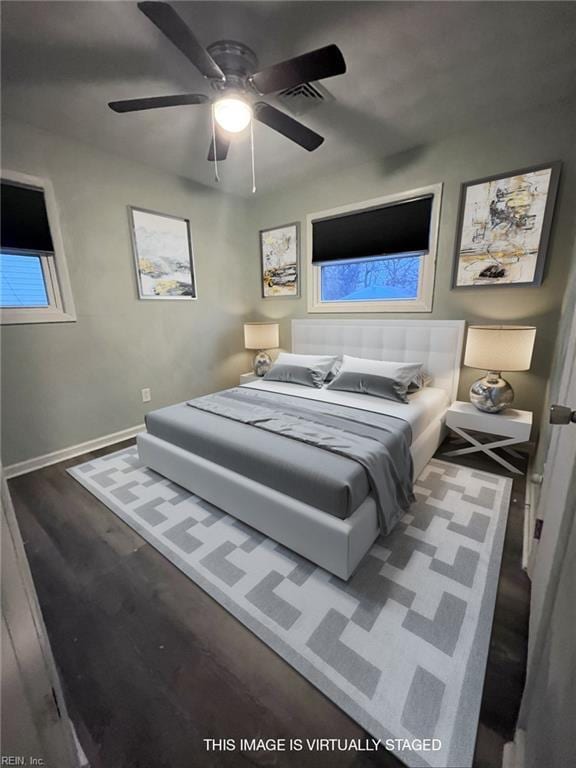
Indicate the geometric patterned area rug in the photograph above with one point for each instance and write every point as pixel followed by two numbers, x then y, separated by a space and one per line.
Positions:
pixel 401 647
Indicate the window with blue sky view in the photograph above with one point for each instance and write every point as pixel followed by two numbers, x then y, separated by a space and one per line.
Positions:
pixel 22 281
pixel 395 277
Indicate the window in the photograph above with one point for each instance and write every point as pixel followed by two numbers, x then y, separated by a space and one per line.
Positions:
pixel 34 285
pixel 379 279
pixel 22 281
pixel 377 256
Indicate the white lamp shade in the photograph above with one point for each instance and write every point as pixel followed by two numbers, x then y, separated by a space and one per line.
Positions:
pixel 499 347
pixel 261 336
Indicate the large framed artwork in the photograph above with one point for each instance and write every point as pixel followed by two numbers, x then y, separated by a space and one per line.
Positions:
pixel 503 228
pixel 163 255
pixel 280 261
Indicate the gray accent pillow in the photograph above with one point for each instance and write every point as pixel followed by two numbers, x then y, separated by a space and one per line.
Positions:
pixel 333 372
pixel 370 384
pixel 323 363
pixel 296 374
pixel 422 380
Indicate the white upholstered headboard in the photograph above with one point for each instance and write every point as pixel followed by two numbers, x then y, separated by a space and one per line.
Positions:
pixel 435 343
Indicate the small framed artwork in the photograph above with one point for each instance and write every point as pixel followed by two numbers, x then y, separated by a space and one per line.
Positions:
pixel 280 261
pixel 163 256
pixel 503 228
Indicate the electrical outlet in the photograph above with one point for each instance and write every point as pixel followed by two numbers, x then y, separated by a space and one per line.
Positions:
pixel 146 395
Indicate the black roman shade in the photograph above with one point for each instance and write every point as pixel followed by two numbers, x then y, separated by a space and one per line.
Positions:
pixel 392 229
pixel 24 221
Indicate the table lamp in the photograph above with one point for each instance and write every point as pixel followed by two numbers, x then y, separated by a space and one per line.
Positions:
pixel 497 348
pixel 261 336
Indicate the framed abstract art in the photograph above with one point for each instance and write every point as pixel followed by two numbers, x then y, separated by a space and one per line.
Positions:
pixel 162 255
pixel 280 261
pixel 503 228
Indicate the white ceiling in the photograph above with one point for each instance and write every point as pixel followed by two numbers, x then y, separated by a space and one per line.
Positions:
pixel 416 72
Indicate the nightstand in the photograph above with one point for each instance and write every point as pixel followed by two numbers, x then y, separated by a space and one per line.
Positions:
pixel 511 427
pixel 246 377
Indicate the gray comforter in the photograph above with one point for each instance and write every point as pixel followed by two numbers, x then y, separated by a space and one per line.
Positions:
pixel 380 443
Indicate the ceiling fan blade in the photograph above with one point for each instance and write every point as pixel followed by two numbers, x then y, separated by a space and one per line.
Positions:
pixel 287 126
pixel 316 65
pixel 156 102
pixel 170 24
pixel 222 147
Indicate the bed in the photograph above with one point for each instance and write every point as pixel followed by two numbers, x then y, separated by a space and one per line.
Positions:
pixel 316 503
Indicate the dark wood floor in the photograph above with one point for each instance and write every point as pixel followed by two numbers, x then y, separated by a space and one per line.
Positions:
pixel 152 666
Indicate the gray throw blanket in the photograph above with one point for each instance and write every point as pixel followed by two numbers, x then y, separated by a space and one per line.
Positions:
pixel 380 443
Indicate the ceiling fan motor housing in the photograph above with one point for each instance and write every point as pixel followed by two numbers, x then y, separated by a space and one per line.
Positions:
pixel 236 60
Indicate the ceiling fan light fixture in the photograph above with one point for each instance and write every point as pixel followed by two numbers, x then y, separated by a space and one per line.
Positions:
pixel 232 69
pixel 232 114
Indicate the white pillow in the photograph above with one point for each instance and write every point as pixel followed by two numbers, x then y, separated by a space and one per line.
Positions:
pixel 404 373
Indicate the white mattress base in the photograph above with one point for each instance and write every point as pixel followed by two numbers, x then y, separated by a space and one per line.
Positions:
pixel 334 544
pixel 426 444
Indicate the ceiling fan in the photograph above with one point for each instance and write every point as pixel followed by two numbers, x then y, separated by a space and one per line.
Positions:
pixel 232 70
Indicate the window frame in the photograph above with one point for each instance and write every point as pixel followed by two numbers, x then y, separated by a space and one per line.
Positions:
pixel 54 268
pixel 423 301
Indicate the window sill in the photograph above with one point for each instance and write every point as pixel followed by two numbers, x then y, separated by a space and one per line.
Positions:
pixel 344 307
pixel 29 316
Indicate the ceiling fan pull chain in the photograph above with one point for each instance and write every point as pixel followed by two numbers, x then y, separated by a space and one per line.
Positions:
pixel 216 176
pixel 252 155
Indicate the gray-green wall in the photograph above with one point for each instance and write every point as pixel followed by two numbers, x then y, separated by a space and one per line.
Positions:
pixel 532 138
pixel 66 383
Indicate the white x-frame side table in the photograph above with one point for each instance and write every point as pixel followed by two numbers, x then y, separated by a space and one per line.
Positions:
pixel 511 427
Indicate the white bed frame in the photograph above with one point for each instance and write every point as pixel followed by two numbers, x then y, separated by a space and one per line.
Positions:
pixel 336 545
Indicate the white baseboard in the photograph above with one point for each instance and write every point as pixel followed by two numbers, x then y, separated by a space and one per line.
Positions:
pixel 82 759
pixel 30 465
pixel 514 751
pixel 529 543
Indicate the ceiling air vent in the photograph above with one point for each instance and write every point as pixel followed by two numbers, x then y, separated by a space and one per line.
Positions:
pixel 304 98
